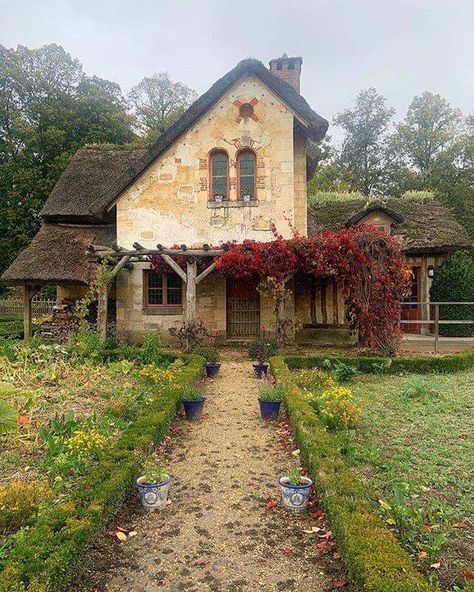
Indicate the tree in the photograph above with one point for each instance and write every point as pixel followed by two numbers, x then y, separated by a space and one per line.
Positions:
pixel 48 109
pixel 158 102
pixel 365 153
pixel 430 126
pixel 454 282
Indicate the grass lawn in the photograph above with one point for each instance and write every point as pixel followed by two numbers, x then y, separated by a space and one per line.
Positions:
pixel 414 448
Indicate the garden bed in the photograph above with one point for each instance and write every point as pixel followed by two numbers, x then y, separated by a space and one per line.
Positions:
pixel 411 451
pixel 85 424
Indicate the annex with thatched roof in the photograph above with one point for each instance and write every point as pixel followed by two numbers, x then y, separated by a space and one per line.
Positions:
pixel 423 226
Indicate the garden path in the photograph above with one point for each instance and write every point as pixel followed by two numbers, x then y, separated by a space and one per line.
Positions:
pixel 218 533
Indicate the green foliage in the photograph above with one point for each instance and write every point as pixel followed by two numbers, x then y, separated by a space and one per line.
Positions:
pixel 48 109
pixel 454 282
pixel 87 344
pixel 373 558
pixel 209 353
pixel 152 346
pixel 375 365
pixel 262 350
pixel 312 379
pixel 12 329
pixel 44 558
pixel 192 394
pixel 294 477
pixel 20 502
pixel 153 473
pixel 270 393
pixel 420 388
pixel 342 372
pixel 8 418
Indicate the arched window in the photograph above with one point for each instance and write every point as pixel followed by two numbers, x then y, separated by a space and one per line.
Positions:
pixel 246 171
pixel 219 176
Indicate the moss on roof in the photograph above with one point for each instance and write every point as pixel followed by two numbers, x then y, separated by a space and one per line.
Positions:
pixel 425 226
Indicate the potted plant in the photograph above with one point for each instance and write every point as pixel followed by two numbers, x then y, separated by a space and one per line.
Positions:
pixel 153 487
pixel 193 403
pixel 211 355
pixel 261 350
pixel 270 401
pixel 295 490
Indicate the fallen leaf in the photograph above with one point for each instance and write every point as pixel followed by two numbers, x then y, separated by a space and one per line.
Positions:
pixel 296 452
pixel 271 505
pixel 23 420
pixel 287 551
pixel 460 525
pixel 132 533
pixel 323 545
pixel 422 555
pixel 201 563
pixel 338 584
pixel 336 556
pixel 121 529
pixel 121 536
pixel 468 575
pixel 168 502
pixel 435 565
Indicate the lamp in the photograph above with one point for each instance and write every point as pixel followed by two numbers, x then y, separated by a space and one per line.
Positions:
pixel 430 271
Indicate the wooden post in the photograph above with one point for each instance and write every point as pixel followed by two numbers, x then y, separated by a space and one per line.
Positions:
pixel 27 324
pixel 191 274
pixel 102 310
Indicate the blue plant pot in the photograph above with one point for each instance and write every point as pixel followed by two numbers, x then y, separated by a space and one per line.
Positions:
pixel 295 497
pixel 269 409
pixel 194 409
pixel 260 370
pixel 153 495
pixel 212 370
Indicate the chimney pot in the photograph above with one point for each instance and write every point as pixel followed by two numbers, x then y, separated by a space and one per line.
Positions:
pixel 288 69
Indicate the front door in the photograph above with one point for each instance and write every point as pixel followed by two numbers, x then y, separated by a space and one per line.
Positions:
pixel 243 309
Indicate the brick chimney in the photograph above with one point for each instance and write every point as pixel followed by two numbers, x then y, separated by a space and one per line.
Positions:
pixel 288 69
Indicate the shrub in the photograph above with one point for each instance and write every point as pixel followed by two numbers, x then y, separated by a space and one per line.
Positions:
pixel 20 502
pixel 209 353
pixel 454 282
pixel 192 394
pixel 342 372
pixel 152 374
pixel 270 393
pixel 152 348
pixel 87 344
pixel 312 380
pixel 153 473
pixel 262 350
pixel 12 329
pixel 373 558
pixel 86 444
pixel 339 414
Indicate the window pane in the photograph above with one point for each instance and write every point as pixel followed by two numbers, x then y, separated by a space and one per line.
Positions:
pixel 174 292
pixel 155 288
pixel 219 168
pixel 247 174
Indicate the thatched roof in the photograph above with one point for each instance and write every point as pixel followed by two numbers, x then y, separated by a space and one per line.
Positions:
pixel 96 177
pixel 57 256
pixel 422 226
pixel 84 189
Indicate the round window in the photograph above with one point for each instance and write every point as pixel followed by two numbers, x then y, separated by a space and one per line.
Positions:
pixel 246 110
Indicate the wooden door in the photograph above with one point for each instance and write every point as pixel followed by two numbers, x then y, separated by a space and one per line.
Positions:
pixel 243 309
pixel 412 312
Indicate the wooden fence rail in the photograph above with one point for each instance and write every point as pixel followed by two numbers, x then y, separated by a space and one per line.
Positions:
pixel 12 309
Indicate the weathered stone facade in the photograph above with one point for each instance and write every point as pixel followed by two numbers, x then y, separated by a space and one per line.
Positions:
pixel 170 203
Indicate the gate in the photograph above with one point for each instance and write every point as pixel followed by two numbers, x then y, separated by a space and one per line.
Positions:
pixel 243 309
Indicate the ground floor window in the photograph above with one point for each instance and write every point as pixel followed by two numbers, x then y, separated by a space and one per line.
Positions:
pixel 162 289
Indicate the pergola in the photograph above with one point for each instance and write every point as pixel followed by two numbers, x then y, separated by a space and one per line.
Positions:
pixel 126 257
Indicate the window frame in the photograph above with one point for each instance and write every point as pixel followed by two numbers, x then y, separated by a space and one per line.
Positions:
pixel 164 305
pixel 213 153
pixel 239 157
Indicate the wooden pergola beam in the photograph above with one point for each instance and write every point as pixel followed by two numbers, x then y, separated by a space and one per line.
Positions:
pixel 175 267
pixel 103 297
pixel 100 251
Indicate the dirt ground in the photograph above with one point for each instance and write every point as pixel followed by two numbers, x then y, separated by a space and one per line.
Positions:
pixel 225 529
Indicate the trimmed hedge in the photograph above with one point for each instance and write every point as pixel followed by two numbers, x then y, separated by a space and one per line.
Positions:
pixel 417 364
pixel 44 557
pixel 373 557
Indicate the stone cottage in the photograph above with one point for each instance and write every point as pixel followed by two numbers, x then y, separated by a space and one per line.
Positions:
pixel 233 167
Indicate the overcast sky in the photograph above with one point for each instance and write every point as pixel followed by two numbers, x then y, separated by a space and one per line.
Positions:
pixel 402 47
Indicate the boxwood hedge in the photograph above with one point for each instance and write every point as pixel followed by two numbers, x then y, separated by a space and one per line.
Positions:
pixel 44 557
pixel 374 559
pixel 370 364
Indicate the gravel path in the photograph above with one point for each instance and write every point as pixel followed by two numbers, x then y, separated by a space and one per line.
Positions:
pixel 222 531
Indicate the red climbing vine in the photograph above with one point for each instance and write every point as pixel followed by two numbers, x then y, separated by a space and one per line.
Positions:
pixel 367 262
